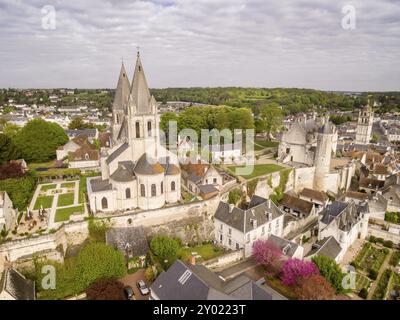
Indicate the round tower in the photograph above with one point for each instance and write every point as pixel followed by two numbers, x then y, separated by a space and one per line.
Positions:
pixel 323 156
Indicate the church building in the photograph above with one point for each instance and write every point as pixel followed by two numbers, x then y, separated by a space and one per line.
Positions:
pixel 136 172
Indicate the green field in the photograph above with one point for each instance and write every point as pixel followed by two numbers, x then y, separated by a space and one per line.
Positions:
pixel 65 213
pixel 45 187
pixel 68 185
pixel 258 170
pixel 45 201
pixel 65 199
pixel 207 252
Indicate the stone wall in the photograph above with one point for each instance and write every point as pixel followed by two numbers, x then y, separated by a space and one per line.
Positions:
pixel 266 184
pixel 384 234
pixel 225 259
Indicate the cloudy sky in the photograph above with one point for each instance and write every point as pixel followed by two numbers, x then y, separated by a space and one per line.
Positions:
pixel 184 43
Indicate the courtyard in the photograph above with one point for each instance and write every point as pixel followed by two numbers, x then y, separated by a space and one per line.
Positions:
pixel 57 201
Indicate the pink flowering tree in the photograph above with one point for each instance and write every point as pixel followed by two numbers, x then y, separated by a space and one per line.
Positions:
pixel 294 270
pixel 268 254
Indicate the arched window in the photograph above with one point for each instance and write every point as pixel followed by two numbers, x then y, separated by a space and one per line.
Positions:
pixel 104 203
pixel 162 187
pixel 153 190
pixel 142 190
pixel 128 193
pixel 137 128
pixel 173 186
pixel 149 128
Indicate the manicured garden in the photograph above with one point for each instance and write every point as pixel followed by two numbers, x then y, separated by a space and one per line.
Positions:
pixel 257 170
pixel 362 282
pixel 44 202
pixel 370 259
pixel 63 214
pixel 393 217
pixel 46 187
pixel 65 199
pixel 206 251
pixel 68 185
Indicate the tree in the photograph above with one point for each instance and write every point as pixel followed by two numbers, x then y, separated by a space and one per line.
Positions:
pixel 164 247
pixel 77 123
pixel 38 140
pixel 330 270
pixel 11 129
pixel 149 274
pixel 106 289
pixel 164 122
pixel 235 196
pixel 314 287
pixel 295 269
pixel 270 119
pixel 8 150
pixel 268 254
pixel 96 261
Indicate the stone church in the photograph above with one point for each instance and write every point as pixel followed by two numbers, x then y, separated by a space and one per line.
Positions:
pixel 136 172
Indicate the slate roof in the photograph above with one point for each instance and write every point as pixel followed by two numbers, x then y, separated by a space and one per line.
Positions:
pixel 100 185
pixel 88 132
pixel 345 213
pixel 122 91
pixel 117 152
pixel 16 285
pixel 296 204
pixel 288 247
pixel 314 194
pixel 241 220
pixel 207 188
pixel 372 183
pixel 328 247
pixel 356 195
pixel 143 166
pixel 196 282
pixel 124 172
pixel 131 241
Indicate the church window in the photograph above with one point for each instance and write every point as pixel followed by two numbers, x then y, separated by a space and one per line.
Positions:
pixel 128 193
pixel 142 190
pixel 149 128
pixel 104 203
pixel 153 190
pixel 137 127
pixel 162 187
pixel 173 186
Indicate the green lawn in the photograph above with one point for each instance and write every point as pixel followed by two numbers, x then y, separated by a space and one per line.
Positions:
pixel 68 185
pixel 258 170
pixel 45 187
pixel 65 199
pixel 206 251
pixel 45 201
pixel 64 214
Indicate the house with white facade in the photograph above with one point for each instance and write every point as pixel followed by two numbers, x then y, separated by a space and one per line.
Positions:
pixel 225 153
pixel 8 216
pixel 237 228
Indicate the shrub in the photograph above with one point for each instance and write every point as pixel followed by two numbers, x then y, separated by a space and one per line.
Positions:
pixel 330 270
pixel 388 244
pixel 373 274
pixel 267 254
pixel 363 293
pixel 97 230
pixel 165 248
pixel 19 190
pixel 149 274
pixel 395 258
pixel 380 240
pixel 372 239
pixel 314 287
pixel 385 251
pixel 106 289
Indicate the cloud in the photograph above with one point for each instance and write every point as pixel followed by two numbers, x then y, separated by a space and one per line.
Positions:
pixel 293 43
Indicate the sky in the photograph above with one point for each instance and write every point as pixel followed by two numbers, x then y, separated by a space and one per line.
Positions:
pixel 319 44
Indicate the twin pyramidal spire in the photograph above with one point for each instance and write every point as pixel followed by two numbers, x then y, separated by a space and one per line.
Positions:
pixel 135 95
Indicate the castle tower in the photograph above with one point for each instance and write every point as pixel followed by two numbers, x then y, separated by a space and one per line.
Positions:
pixel 364 125
pixel 143 123
pixel 119 104
pixel 323 155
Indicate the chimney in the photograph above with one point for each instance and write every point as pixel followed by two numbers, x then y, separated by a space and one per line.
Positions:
pixel 231 206
pixel 193 260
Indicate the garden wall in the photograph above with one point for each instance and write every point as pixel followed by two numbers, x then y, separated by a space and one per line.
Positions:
pixel 225 259
pixel 384 234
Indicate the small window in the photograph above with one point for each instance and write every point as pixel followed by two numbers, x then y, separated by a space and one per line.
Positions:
pixel 153 190
pixel 230 231
pixel 263 230
pixel 149 128
pixel 162 187
pixel 104 203
pixel 173 186
pixel 127 193
pixel 137 127
pixel 230 242
pixel 237 246
pixel 215 180
pixel 221 227
pixel 142 190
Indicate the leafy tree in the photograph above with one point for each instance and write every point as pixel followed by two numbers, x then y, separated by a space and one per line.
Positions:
pixel 106 289
pixel 164 122
pixel 295 269
pixel 39 140
pixel 235 196
pixel 11 129
pixel 314 287
pixel 268 254
pixel 164 247
pixel 77 123
pixel 331 271
pixel 20 190
pixel 96 261
pixel 8 150
pixel 270 119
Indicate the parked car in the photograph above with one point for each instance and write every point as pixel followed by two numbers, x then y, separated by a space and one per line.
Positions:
pixel 142 287
pixel 128 291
